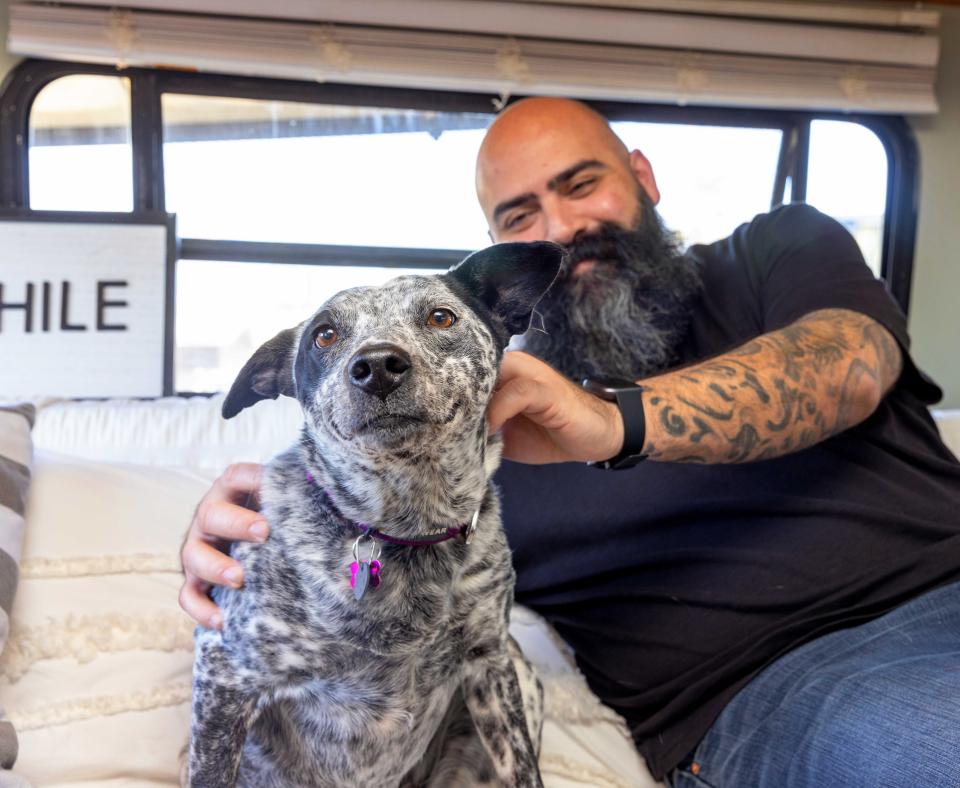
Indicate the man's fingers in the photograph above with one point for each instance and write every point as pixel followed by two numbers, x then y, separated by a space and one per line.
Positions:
pixel 208 564
pixel 548 418
pixel 223 520
pixel 519 395
pixel 240 482
pixel 221 516
pixel 198 605
pixel 517 363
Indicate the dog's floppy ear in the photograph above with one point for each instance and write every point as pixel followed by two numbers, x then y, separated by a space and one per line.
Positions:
pixel 267 374
pixel 509 279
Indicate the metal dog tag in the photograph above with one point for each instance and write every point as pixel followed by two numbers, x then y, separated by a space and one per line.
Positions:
pixel 360 576
pixel 364 573
pixel 472 528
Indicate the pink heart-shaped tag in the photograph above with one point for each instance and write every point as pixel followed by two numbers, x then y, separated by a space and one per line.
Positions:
pixel 354 568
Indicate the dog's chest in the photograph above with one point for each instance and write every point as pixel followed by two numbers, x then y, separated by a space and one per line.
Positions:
pixel 368 727
pixel 361 685
pixel 358 687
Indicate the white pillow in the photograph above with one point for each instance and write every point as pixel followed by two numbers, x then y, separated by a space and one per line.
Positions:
pixel 16 455
pixel 97 670
pixel 172 431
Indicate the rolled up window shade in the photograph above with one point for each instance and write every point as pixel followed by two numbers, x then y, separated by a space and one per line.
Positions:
pixel 625 54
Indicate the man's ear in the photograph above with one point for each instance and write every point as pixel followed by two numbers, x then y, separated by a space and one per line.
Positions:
pixel 508 279
pixel 643 172
pixel 267 374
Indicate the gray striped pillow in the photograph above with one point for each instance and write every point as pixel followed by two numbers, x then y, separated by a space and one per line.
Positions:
pixel 16 454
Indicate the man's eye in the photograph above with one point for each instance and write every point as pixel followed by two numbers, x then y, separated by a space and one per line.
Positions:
pixel 441 318
pixel 582 186
pixel 516 220
pixel 326 336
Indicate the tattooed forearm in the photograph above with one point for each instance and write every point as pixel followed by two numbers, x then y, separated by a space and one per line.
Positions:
pixel 779 393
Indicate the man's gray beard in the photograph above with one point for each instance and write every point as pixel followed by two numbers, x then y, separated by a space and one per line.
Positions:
pixel 628 316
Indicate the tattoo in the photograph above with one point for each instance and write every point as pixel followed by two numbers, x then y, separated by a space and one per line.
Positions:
pixel 707 410
pixel 750 349
pixel 702 429
pixel 887 349
pixel 724 370
pixel 720 393
pixel 750 380
pixel 788 399
pixel 857 372
pixel 672 423
pixel 781 392
pixel 744 444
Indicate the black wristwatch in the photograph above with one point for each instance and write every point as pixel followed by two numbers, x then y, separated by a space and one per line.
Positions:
pixel 629 398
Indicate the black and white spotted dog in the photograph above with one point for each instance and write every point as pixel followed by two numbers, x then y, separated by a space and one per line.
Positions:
pixel 368 645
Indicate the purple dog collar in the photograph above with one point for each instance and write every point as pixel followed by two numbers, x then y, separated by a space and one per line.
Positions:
pixel 435 537
pixel 367 572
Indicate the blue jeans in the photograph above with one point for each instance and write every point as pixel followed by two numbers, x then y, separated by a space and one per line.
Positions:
pixel 877 705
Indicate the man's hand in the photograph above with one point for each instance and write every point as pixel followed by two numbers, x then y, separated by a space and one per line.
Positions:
pixel 546 418
pixel 218 520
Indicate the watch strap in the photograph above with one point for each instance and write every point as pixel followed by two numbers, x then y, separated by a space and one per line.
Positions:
pixel 629 400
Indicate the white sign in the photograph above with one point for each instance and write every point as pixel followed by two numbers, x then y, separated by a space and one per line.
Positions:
pixel 82 308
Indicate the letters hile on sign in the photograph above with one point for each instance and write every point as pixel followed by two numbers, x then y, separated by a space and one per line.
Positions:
pixel 40 307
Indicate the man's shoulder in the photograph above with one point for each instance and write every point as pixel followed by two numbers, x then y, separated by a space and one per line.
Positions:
pixel 767 237
pixel 796 221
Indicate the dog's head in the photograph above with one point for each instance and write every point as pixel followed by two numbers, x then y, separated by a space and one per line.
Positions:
pixel 391 369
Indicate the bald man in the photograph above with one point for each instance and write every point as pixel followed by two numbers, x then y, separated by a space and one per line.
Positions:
pixel 770 599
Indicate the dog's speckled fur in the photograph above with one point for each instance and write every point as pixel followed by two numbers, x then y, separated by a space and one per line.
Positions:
pixel 415 683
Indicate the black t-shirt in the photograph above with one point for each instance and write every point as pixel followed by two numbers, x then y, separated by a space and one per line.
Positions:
pixel 676 583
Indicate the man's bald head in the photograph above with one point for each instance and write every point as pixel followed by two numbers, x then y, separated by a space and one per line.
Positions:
pixel 534 119
pixel 535 147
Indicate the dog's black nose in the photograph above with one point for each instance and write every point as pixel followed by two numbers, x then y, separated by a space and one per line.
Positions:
pixel 379 369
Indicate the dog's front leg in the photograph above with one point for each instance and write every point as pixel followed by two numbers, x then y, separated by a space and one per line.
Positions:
pixel 223 709
pixel 492 694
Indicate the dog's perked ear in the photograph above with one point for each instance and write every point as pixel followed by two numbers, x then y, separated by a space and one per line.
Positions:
pixel 267 374
pixel 509 279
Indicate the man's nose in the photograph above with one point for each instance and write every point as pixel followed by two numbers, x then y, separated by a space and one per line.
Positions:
pixel 562 223
pixel 379 369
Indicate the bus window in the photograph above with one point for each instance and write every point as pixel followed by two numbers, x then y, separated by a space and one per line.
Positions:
pixel 81 158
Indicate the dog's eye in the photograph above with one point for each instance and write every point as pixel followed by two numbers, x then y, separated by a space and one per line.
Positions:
pixel 326 336
pixel 441 318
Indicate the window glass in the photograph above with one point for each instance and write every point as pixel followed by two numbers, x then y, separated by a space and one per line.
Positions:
pixel 847 179
pixel 711 178
pixel 287 172
pixel 219 328
pixel 81 157
pixel 311 173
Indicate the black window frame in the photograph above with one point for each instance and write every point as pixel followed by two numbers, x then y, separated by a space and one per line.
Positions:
pixel 25 81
